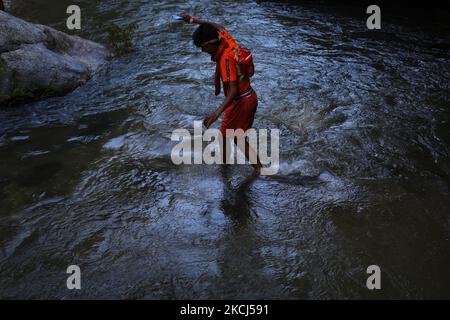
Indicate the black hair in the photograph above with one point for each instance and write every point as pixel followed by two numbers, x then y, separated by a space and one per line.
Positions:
pixel 203 33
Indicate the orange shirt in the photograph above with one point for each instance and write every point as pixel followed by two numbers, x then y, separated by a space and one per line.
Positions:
pixel 228 66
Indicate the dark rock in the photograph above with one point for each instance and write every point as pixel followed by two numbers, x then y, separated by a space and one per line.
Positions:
pixel 37 61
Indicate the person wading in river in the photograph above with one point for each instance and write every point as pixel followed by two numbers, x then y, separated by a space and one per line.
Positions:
pixel 234 66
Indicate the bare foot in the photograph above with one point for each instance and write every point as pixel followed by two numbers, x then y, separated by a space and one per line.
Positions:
pixel 258 169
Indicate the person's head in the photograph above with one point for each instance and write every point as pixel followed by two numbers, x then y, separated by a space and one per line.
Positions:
pixel 206 37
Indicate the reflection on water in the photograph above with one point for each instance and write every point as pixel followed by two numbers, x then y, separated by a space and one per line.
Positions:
pixel 87 178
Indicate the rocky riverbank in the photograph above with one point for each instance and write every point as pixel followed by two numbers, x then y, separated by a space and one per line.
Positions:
pixel 37 61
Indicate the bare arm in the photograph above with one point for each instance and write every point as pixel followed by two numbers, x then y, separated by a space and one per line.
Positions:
pixel 232 93
pixel 191 19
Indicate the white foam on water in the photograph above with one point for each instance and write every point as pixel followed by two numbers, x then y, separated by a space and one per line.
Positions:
pixel 115 143
pixel 287 168
pixel 19 138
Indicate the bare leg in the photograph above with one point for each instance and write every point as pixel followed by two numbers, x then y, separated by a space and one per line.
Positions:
pixel 250 154
pixel 226 150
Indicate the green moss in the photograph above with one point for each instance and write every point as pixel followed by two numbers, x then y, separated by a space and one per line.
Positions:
pixel 14 82
pixel 2 66
pixel 119 40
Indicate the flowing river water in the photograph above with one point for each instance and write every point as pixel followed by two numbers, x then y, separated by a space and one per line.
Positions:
pixel 87 178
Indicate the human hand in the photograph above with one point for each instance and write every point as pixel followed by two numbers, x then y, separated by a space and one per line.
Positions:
pixel 187 18
pixel 210 119
pixel 207 121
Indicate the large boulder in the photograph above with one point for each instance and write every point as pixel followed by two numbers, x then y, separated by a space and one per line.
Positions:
pixel 37 61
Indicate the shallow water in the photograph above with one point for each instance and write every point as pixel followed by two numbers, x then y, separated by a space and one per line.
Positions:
pixel 87 178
